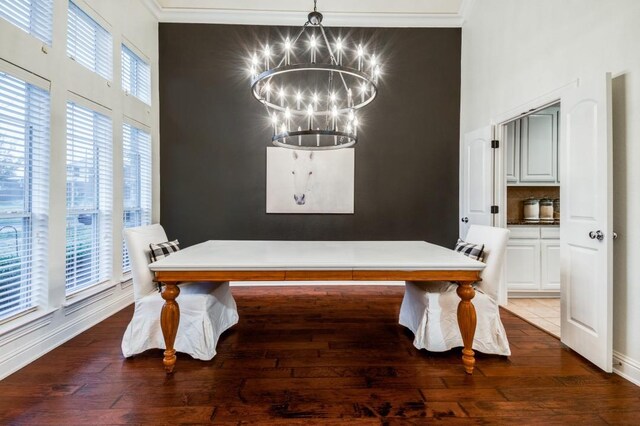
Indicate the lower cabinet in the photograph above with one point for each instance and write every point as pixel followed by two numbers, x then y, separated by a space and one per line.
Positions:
pixel 550 265
pixel 533 260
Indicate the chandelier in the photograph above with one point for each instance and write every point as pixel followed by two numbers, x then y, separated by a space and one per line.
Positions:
pixel 313 87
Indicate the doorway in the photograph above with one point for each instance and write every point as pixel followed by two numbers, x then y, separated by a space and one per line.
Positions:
pixel 532 201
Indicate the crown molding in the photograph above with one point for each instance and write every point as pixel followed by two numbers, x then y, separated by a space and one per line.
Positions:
pixel 335 19
pixel 154 7
pixel 466 7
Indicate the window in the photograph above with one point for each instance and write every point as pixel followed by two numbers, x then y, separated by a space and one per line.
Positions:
pixel 32 16
pixel 136 149
pixel 88 43
pixel 89 175
pixel 136 76
pixel 24 175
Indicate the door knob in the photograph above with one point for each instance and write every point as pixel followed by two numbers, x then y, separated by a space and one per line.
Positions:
pixel 465 219
pixel 596 235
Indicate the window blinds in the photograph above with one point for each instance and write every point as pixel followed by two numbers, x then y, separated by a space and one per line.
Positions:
pixel 89 197
pixel 24 193
pixel 32 16
pixel 88 43
pixel 136 76
pixel 136 149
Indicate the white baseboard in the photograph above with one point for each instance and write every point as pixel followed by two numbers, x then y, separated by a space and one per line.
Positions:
pixel 21 356
pixel 626 367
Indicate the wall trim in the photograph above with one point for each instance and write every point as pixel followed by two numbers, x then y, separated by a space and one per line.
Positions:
pixel 466 7
pixel 154 7
pixel 73 305
pixel 335 19
pixel 30 326
pixel 626 367
pixel 23 355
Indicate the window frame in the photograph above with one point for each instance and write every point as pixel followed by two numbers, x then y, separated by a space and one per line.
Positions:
pixel 32 241
pixel 101 210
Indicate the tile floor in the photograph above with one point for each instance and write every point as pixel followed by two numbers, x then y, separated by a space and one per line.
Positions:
pixel 543 313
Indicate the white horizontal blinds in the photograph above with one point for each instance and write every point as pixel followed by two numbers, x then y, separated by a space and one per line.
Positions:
pixel 136 150
pixel 88 43
pixel 89 197
pixel 32 16
pixel 24 193
pixel 136 76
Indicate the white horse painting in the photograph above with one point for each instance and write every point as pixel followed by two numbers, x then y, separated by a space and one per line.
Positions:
pixel 310 181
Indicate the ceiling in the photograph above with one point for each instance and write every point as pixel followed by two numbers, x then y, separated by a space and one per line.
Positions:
pixel 391 13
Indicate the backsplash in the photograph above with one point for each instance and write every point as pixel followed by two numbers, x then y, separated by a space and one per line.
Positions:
pixel 517 194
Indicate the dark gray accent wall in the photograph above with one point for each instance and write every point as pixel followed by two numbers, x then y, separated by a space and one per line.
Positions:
pixel 214 134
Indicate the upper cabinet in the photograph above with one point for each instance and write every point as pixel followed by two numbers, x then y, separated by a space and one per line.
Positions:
pixel 513 151
pixel 532 149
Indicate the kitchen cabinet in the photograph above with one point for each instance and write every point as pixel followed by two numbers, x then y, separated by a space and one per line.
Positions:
pixel 513 151
pixel 532 149
pixel 533 261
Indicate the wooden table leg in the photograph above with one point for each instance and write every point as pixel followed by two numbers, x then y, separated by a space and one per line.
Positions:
pixel 467 323
pixel 169 320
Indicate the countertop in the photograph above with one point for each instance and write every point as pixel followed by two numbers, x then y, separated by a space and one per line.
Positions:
pixel 523 223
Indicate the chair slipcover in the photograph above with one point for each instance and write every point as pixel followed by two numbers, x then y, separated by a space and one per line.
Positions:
pixel 429 310
pixel 206 309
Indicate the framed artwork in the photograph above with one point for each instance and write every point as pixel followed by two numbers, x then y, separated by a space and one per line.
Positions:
pixel 310 181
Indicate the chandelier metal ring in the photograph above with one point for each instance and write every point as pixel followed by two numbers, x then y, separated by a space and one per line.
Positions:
pixel 269 75
pixel 346 139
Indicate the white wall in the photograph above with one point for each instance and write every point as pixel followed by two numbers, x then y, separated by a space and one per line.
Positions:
pixel 59 318
pixel 514 51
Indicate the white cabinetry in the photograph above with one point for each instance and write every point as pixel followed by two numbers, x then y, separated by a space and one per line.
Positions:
pixel 513 151
pixel 533 261
pixel 523 265
pixel 532 149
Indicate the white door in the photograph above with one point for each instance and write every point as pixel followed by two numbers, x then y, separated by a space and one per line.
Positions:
pixel 586 221
pixel 476 178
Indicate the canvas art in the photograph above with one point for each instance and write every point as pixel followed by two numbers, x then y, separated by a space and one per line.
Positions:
pixel 310 181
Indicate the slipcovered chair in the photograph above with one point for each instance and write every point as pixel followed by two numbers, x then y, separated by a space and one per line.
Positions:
pixel 206 309
pixel 429 310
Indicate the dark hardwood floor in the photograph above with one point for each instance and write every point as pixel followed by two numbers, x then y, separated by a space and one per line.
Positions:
pixel 316 355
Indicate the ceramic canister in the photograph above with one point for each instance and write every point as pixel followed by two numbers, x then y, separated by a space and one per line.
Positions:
pixel 532 209
pixel 546 210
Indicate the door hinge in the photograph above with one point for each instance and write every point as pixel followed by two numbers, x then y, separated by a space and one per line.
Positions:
pixel 495 210
pixel 495 144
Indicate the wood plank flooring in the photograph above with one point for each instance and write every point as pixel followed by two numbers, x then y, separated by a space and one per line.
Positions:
pixel 316 355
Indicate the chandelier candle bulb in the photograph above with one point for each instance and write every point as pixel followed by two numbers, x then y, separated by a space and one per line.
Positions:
pixel 339 50
pixel 318 137
pixel 349 100
pixel 310 114
pixel 287 51
pixel 312 43
pixel 298 100
pixel 267 55
pixel 281 94
pixel 360 57
pixel 299 136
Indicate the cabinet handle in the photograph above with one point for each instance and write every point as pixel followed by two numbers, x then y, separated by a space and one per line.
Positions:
pixel 465 219
pixel 596 235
